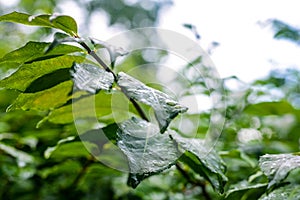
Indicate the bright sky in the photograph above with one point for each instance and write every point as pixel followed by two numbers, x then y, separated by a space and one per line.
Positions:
pixel 246 49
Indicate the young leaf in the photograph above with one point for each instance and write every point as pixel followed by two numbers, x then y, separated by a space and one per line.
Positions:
pixel 164 106
pixel 60 38
pixel 148 152
pixel 277 167
pixel 62 22
pixel 203 160
pixel 113 51
pixel 27 73
pixel 91 78
pixel 289 192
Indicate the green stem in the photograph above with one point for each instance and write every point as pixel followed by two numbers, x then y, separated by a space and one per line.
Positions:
pixel 194 182
pixel 80 174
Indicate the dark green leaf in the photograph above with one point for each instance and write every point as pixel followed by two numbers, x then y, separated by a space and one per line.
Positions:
pixel 44 100
pixel 91 78
pixel 49 80
pixel 62 22
pixel 278 166
pixel 203 160
pixel 27 73
pixel 270 108
pixel 69 166
pixel 148 151
pixel 288 192
pixel 285 31
pixel 165 107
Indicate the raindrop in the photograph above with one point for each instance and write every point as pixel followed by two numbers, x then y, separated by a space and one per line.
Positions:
pixel 31 18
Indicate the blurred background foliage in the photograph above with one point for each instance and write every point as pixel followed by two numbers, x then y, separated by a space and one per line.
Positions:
pixel 261 117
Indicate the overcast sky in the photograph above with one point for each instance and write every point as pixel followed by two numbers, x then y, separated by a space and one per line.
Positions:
pixel 246 49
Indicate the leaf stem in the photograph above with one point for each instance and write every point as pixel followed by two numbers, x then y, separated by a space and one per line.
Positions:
pixel 194 182
pixel 80 174
pixel 106 68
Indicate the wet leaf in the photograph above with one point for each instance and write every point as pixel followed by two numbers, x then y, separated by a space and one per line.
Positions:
pixel 148 151
pixel 164 106
pixel 27 73
pixel 289 192
pixel 277 167
pixel 62 22
pixel 243 190
pixel 203 160
pixel 91 78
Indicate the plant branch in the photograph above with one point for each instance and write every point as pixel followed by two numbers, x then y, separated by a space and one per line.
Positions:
pixel 80 174
pixel 106 68
pixel 194 182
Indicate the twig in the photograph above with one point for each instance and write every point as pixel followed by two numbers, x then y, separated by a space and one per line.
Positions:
pixel 192 181
pixel 106 68
pixel 80 174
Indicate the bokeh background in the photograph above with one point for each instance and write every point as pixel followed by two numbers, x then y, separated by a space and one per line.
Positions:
pixel 255 48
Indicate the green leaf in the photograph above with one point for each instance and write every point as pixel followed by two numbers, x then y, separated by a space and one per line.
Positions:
pixel 87 107
pixel 69 166
pixel 166 109
pixel 7 68
pixel 44 100
pixel 48 81
pixel 60 38
pixel 277 167
pixel 244 190
pixel 33 51
pixel 203 160
pixel 62 22
pixel 67 148
pixel 27 73
pixel 288 192
pixel 148 151
pixel 270 108
pixel 237 153
pixel 91 78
